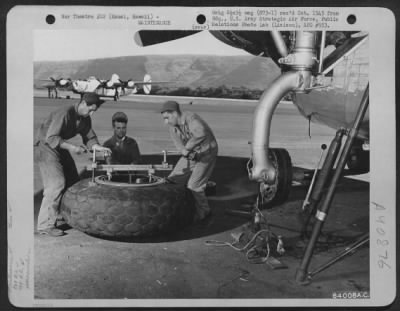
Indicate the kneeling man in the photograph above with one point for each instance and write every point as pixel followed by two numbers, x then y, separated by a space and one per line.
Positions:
pixel 195 140
pixel 124 149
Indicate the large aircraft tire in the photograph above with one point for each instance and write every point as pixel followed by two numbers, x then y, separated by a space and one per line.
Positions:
pixel 279 191
pixel 121 213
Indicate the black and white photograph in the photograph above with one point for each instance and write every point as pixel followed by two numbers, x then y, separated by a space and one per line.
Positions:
pixel 227 161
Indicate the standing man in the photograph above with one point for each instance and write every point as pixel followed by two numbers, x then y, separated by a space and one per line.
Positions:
pixel 124 149
pixel 57 168
pixel 196 142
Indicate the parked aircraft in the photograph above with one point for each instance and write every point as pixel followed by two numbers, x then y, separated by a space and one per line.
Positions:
pixel 55 85
pixel 113 87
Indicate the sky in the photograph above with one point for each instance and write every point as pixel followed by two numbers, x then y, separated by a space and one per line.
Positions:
pixel 61 45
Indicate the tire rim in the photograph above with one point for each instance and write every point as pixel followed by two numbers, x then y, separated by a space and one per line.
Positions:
pixel 140 181
pixel 268 191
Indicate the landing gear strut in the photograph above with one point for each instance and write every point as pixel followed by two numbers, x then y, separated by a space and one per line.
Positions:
pixel 302 275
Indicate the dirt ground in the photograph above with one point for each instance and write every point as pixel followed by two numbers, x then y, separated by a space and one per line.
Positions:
pixel 182 265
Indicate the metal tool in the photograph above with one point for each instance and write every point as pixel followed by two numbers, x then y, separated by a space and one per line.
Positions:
pixel 110 168
pixel 347 251
pixel 166 152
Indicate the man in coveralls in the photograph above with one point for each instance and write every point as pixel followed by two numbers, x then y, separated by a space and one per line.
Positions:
pixel 194 139
pixel 57 167
pixel 124 149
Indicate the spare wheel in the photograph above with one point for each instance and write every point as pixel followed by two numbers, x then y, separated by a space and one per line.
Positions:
pixel 121 210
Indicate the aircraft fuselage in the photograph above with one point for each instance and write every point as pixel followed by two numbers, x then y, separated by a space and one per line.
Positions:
pixel 335 104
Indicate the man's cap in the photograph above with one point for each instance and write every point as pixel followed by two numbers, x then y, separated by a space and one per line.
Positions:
pixel 120 117
pixel 92 99
pixel 170 106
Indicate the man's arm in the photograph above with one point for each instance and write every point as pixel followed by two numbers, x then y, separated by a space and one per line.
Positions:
pixel 89 138
pixel 198 131
pixel 53 138
pixel 177 139
pixel 88 135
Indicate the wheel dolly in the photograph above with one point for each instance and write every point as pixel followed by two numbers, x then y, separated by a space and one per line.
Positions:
pixel 150 169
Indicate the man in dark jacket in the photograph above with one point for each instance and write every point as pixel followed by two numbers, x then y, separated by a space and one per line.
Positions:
pixel 125 149
pixel 53 156
pixel 196 142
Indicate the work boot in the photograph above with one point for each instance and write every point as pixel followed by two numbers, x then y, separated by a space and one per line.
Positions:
pixel 201 203
pixel 62 224
pixel 52 231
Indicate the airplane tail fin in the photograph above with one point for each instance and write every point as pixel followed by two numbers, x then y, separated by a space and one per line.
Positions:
pixel 114 78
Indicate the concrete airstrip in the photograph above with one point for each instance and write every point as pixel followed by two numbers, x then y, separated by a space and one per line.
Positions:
pixel 180 265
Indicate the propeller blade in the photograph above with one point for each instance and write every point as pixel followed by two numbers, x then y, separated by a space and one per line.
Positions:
pixel 150 37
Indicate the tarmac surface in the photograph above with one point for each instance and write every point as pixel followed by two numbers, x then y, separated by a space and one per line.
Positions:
pixel 182 265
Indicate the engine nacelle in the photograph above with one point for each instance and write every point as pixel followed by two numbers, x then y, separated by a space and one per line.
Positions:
pixel 63 82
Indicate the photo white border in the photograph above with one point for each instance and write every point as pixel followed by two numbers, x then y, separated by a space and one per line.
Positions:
pixel 22 20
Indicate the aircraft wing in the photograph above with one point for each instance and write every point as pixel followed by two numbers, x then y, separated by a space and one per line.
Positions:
pixel 145 83
pixel 150 37
pixel 81 86
pixel 254 42
pixel 258 43
pixel 151 82
pixel 47 86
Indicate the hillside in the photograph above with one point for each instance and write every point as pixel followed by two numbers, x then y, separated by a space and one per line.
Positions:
pixel 258 73
pixel 184 70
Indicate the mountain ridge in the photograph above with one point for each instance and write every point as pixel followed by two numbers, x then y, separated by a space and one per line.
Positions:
pixel 184 70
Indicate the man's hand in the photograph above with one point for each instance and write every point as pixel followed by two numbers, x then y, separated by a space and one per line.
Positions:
pixel 107 151
pixel 185 152
pixel 191 155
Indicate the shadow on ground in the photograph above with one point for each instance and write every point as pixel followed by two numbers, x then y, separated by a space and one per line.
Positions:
pixel 234 190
